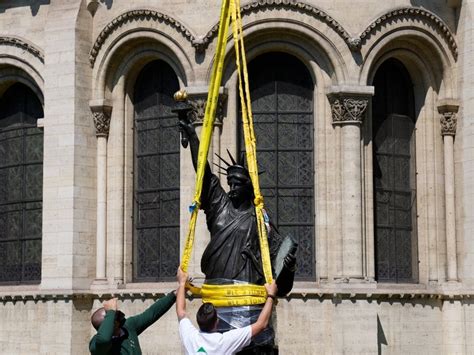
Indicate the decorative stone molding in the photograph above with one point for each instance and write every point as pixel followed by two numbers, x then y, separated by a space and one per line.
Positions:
pixel 17 42
pixel 417 15
pixel 347 108
pixel 448 119
pixel 101 114
pixel 290 5
pixel 136 16
pixel 354 43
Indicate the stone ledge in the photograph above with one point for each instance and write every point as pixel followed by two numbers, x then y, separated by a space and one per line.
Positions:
pixel 354 90
pixel 379 296
pixel 298 293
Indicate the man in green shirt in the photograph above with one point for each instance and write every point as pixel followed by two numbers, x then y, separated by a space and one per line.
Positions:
pixel 119 335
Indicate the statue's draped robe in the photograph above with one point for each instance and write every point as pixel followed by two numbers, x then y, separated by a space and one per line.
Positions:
pixel 234 250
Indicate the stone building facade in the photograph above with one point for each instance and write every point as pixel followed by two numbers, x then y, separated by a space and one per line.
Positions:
pixel 364 123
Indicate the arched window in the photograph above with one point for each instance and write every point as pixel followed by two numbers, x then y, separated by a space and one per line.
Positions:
pixel 394 174
pixel 156 174
pixel 281 91
pixel 21 186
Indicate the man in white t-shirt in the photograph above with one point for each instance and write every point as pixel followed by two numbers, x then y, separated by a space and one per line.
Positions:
pixel 207 340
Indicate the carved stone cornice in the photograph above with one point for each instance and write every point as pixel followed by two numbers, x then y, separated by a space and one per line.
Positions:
pixel 136 16
pixel 348 108
pixel 353 42
pixel 416 14
pixel 411 295
pixel 101 115
pixel 198 104
pixel 23 45
pixel 292 5
pixel 448 119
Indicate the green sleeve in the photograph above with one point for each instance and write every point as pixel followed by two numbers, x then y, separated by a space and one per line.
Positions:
pixel 153 313
pixel 102 341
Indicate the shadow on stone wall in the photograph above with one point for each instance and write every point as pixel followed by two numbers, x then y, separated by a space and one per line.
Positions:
pixel 381 339
pixel 81 325
pixel 438 7
pixel 433 6
pixel 33 4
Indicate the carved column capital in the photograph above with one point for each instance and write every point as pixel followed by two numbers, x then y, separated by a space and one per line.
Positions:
pixel 101 113
pixel 448 123
pixel 198 104
pixel 349 103
pixel 448 118
pixel 348 108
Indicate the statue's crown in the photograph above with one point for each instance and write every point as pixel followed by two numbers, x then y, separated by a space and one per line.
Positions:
pixel 238 171
pixel 235 168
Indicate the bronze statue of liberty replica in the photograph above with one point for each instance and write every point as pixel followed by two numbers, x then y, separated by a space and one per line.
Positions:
pixel 233 252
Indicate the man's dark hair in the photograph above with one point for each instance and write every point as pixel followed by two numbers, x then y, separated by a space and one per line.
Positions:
pixel 206 317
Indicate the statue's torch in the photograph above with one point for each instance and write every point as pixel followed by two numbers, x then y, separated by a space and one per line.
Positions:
pixel 182 109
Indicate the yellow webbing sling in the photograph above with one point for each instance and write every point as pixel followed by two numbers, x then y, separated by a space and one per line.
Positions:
pixel 230 295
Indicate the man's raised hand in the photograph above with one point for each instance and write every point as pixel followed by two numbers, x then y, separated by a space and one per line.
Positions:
pixel 272 289
pixel 182 277
pixel 110 305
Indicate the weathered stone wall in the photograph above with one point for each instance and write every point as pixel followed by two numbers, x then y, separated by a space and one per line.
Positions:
pixel 44 326
pixel 309 325
pixel 25 20
pixel 465 147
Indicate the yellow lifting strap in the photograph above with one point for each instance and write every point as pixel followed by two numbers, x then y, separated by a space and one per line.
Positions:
pixel 230 295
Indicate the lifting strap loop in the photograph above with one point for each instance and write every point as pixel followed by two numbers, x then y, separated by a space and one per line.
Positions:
pixel 249 135
pixel 230 295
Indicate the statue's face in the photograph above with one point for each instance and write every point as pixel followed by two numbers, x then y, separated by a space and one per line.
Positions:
pixel 239 189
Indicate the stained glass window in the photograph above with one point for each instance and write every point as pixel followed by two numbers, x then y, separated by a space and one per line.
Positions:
pixel 156 173
pixel 281 91
pixel 394 174
pixel 21 186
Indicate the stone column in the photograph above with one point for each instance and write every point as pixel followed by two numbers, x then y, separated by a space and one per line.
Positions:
pixel 348 106
pixel 101 112
pixel 448 111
